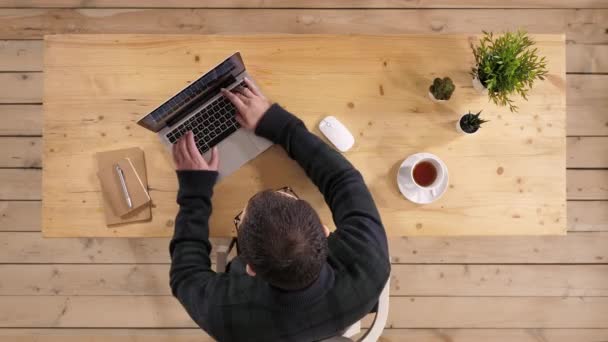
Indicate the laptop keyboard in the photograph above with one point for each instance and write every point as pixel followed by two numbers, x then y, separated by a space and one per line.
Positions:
pixel 210 125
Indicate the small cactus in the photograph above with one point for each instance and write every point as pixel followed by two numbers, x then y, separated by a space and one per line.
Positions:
pixel 470 122
pixel 442 89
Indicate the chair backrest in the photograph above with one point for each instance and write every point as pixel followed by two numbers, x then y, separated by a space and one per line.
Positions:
pixel 377 327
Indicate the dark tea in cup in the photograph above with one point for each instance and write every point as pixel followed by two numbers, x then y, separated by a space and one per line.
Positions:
pixel 424 173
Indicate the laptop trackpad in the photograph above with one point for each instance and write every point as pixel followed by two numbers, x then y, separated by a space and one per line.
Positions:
pixel 234 151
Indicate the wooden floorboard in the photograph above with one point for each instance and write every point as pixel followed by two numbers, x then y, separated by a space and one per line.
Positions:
pixel 389 335
pixel 581 26
pixel 494 335
pixel 586 102
pixel 587 152
pixel 305 4
pixel 498 312
pixel 587 216
pixel 21 152
pixel 20 120
pixel 26 55
pixel 21 55
pixel 406 312
pixel 406 280
pixel 587 184
pixel 587 58
pixel 501 250
pixel 31 247
pixel 20 184
pixel 20 215
pixel 21 87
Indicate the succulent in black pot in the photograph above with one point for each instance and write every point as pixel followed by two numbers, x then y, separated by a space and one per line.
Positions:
pixel 469 123
pixel 441 90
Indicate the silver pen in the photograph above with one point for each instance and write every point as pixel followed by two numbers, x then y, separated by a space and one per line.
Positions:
pixel 123 184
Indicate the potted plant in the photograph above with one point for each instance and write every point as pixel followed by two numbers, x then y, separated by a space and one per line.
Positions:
pixel 469 123
pixel 441 90
pixel 506 65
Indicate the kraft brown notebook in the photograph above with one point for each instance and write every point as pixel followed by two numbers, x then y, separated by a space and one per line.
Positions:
pixel 133 166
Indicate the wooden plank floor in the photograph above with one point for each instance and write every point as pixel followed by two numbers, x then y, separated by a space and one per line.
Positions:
pixel 551 289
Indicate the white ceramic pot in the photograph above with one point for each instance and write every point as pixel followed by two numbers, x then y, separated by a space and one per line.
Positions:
pixel 432 97
pixel 479 87
pixel 460 130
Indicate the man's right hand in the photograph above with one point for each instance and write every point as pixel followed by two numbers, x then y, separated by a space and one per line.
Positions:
pixel 250 104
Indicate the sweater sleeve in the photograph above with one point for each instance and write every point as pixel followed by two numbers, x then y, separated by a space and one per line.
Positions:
pixel 342 186
pixel 191 278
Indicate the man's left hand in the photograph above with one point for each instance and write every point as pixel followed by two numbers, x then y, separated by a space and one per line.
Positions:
pixel 187 156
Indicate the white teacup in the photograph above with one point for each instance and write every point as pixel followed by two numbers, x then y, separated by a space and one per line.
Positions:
pixel 439 178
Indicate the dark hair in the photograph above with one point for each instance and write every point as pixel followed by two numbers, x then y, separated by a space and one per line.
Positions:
pixel 283 240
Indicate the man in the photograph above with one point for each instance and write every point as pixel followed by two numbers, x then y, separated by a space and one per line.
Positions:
pixel 300 283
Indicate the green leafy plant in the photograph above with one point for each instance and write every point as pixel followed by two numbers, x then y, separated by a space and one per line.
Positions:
pixel 442 89
pixel 470 122
pixel 507 65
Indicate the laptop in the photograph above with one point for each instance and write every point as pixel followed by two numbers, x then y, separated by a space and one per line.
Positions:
pixel 202 109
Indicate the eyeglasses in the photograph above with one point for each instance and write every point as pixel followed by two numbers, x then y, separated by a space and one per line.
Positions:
pixel 286 190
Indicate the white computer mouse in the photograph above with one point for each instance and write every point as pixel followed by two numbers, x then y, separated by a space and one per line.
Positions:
pixel 337 133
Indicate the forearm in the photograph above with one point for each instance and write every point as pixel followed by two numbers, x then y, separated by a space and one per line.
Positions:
pixel 343 187
pixel 190 247
pixel 321 163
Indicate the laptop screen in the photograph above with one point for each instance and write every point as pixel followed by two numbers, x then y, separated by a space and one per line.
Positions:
pixel 208 84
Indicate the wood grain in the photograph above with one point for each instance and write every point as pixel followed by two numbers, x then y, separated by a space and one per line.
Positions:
pixel 20 184
pixel 20 152
pixel 304 4
pixel 587 184
pixel 20 215
pixel 499 280
pixel 406 280
pixel 587 152
pixel 32 248
pixel 389 335
pixel 502 200
pixel 582 152
pixel 498 312
pixel 21 87
pixel 586 98
pixel 25 247
pixel 105 335
pixel 20 55
pixel 587 215
pixel 584 104
pixel 407 312
pixel 20 119
pixel 582 215
pixel 590 188
pixel 494 335
pixel 587 58
pixel 505 249
pixel 581 26
pixel 26 55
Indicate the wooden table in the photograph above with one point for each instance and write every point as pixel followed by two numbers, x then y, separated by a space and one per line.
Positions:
pixel 507 180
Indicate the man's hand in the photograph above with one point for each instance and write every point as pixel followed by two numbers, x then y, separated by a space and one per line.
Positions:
pixel 250 103
pixel 187 157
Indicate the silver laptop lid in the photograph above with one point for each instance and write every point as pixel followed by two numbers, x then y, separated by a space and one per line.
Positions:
pixel 194 94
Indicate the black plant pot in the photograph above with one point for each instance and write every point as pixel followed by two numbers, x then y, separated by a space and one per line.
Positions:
pixel 465 129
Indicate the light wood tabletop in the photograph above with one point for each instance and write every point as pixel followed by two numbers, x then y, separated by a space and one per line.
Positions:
pixel 509 179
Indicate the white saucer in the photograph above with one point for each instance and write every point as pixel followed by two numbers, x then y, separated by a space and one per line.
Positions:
pixel 413 193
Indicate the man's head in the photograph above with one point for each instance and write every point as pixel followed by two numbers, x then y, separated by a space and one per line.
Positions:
pixel 282 240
